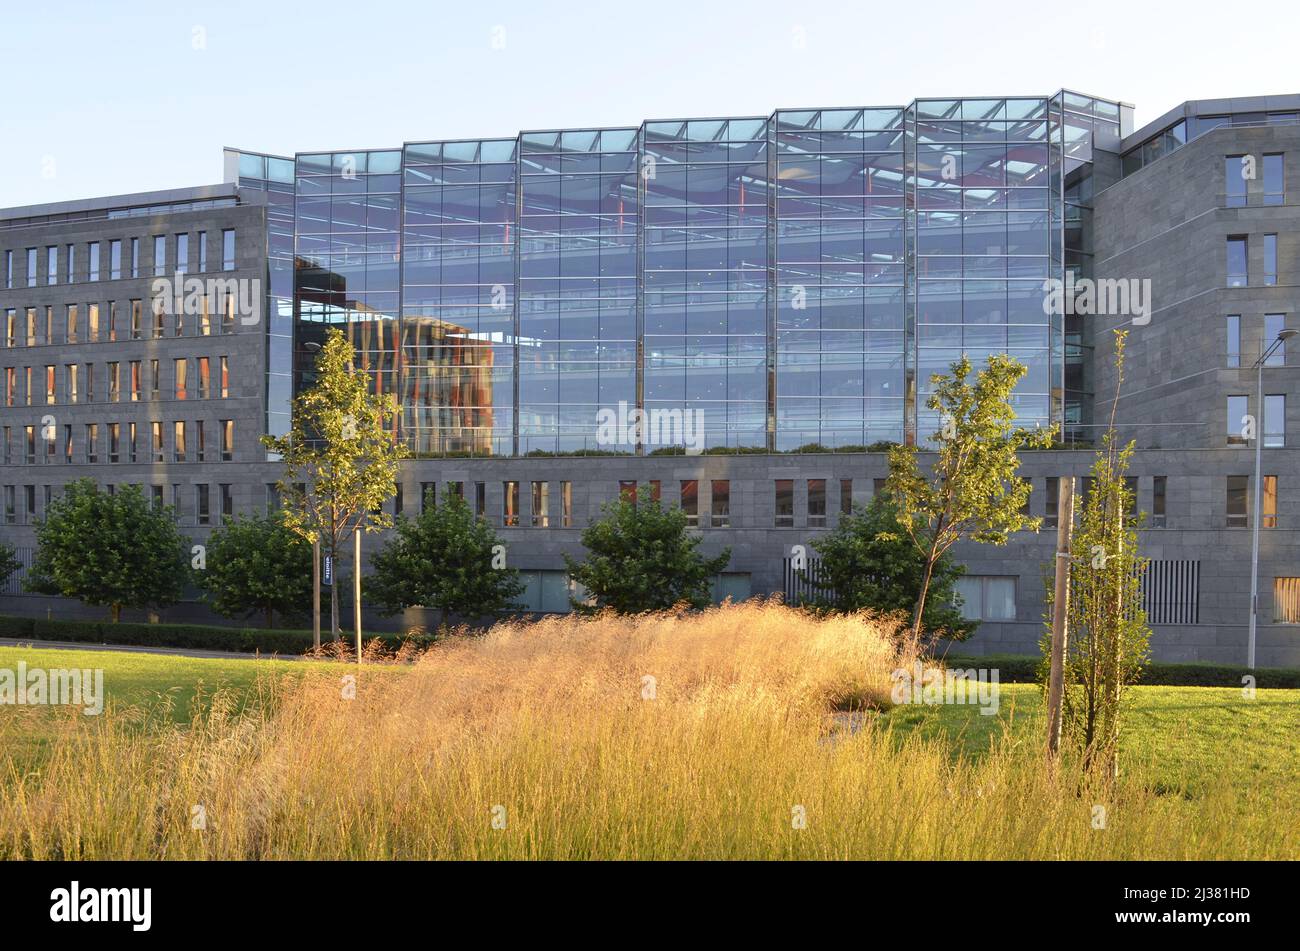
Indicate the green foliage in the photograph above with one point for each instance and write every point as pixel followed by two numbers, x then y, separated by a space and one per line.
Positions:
pixel 340 457
pixel 642 558
pixel 113 550
pixel 444 559
pixel 1108 638
pixel 972 490
pixel 8 561
pixel 257 563
pixel 867 562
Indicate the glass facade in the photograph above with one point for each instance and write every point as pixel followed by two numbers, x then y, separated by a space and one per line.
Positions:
pixel 782 282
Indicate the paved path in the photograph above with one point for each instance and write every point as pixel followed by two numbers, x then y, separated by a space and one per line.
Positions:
pixel 173 651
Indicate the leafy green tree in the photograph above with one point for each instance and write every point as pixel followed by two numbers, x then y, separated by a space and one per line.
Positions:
pixel 114 550
pixel 445 559
pixel 9 562
pixel 642 558
pixel 867 562
pixel 972 490
pixel 257 563
pixel 340 457
pixel 1108 638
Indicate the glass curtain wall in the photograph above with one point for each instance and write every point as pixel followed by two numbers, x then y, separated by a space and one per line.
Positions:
pixel 705 217
pixel 578 245
pixel 459 297
pixel 274 175
pixel 839 275
pixel 981 197
pixel 347 254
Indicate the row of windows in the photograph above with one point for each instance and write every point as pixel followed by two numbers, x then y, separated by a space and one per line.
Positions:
pixel 66 262
pixel 1240 169
pixel 201 513
pixel 191 378
pixel 122 442
pixel 34 327
pixel 1241 426
pixel 1238 260
pixel 1274 324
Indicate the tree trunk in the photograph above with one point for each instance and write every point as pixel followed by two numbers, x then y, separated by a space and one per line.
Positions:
pixel 115 612
pixel 334 590
pixel 919 611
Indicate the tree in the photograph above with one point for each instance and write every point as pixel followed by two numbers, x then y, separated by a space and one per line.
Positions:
pixel 642 558
pixel 445 559
pixel 1109 637
pixel 9 562
pixel 257 563
pixel 340 457
pixel 867 562
pixel 115 550
pixel 972 490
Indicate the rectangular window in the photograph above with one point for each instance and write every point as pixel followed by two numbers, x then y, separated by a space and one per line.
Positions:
pixel 1274 421
pixel 9 270
pixel 428 495
pixel 67 443
pixel 816 503
pixel 1286 600
pixel 228 500
pixel 202 504
pixel 1236 501
pixel 51 385
pixel 1273 325
pixel 1270 259
pixel 29 491
pixel 70 373
pixel 135 381
pixel 31 267
pixel 205 378
pixel 784 503
pixel 690 501
pixel 92 271
pixel 203 251
pixel 92 442
pixel 157 439
pixel 11 512
pixel 31 326
pixel 541 505
pixel 8 450
pixel 509 503
pixel 987 597
pixel 135 257
pixel 114 442
pixel 228 249
pixel 721 499
pixel 200 441
pixel 136 329
pixel 1236 168
pixel 178 440
pixel 1268 503
pixel 52 265
pixel 225 378
pixel 1274 179
pixel 1052 495
pixel 181 370
pixel 11 384
pixel 1159 487
pixel 1238 272
pixel 182 253
pixel 1238 419
pixel 227 440
pixel 155 380
pixel 627 489
pixel 74 318
pixel 480 499
pixel 11 327
pixel 130 442
pixel 27 385
pixel 114 381
pixel 1234 340
pixel 846 496
pixel 72 263
pixel 92 323
pixel 159 255
pixel 115 259
pixel 90 383
pixel 29 435
pixel 566 504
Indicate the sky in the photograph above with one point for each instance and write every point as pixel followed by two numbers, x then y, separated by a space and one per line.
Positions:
pixel 103 98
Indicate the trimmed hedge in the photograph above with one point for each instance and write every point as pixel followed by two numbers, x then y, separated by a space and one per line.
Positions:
pixel 1023 668
pixel 190 636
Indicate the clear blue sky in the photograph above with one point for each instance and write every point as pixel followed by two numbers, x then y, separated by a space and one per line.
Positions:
pixel 113 97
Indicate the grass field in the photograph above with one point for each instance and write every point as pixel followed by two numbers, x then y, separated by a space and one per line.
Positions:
pixel 712 736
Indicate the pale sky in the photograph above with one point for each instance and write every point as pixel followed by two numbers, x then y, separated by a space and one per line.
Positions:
pixel 109 98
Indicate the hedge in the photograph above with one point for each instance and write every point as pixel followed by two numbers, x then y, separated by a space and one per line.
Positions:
pixel 1023 668
pixel 191 636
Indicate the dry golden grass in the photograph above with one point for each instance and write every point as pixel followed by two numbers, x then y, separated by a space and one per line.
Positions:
pixel 552 731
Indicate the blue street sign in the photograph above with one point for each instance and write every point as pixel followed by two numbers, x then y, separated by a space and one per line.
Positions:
pixel 329 570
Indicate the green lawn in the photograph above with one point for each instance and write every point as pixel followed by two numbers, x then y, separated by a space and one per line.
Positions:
pixel 1184 735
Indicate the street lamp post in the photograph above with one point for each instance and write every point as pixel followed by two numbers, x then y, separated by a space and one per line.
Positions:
pixel 1282 337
